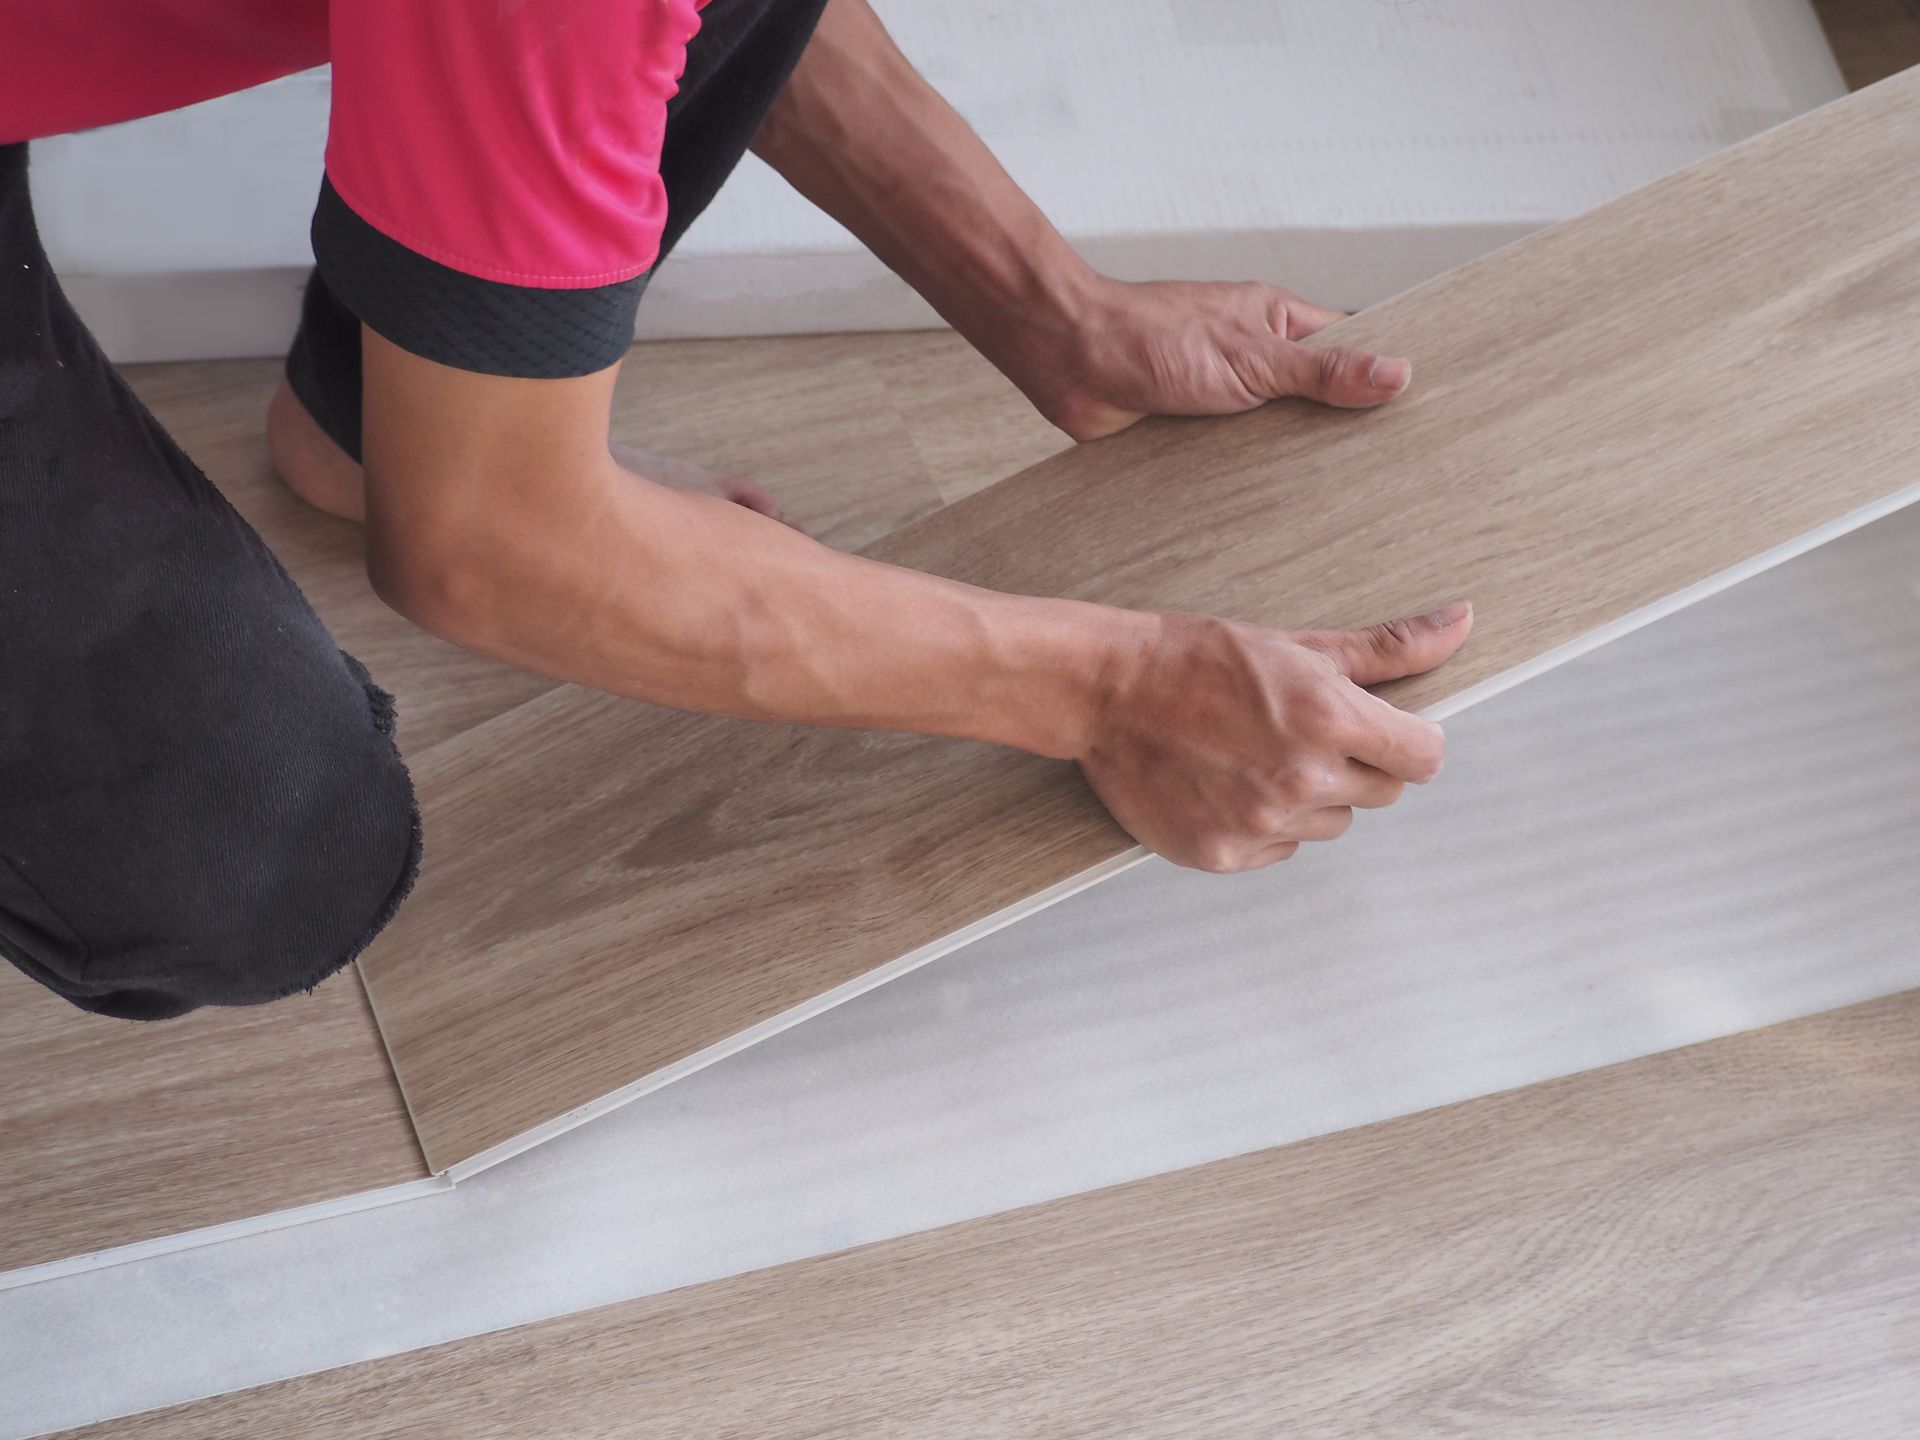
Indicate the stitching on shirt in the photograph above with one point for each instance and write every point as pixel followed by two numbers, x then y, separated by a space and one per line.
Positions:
pixel 480 270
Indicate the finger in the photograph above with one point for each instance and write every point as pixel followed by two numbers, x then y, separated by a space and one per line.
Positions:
pixel 1329 823
pixel 1303 317
pixel 1404 746
pixel 1333 375
pixel 1366 788
pixel 1394 648
pixel 1271 855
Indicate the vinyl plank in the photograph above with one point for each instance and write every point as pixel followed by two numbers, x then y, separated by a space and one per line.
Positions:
pixel 1604 414
pixel 116 1133
pixel 1713 1242
pixel 121 1134
pixel 810 416
pixel 970 426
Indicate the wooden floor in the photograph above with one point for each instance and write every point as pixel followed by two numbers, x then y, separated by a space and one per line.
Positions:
pixel 265 1109
pixel 113 1133
pixel 1601 416
pixel 1717 1243
pixel 117 1133
pixel 1871 39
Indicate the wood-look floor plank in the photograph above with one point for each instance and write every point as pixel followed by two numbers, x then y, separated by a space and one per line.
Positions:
pixel 1717 1243
pixel 113 1133
pixel 969 424
pixel 1602 415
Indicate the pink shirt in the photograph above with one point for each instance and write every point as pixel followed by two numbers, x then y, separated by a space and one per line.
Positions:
pixel 513 140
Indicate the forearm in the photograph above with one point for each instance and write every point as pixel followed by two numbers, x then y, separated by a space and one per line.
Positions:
pixel 685 600
pixel 860 133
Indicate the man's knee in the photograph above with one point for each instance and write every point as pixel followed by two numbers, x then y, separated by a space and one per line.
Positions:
pixel 248 854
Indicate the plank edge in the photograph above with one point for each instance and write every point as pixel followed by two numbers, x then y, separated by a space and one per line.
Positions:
pixel 225 1230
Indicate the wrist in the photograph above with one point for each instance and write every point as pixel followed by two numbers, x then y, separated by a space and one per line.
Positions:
pixel 1059 665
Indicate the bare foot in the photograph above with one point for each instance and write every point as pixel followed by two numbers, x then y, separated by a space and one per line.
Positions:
pixel 307 460
pixel 327 478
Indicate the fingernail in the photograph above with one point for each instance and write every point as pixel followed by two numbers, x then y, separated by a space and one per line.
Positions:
pixel 1389 372
pixel 1452 613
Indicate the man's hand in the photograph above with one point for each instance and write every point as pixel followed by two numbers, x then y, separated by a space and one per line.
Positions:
pixel 1172 348
pixel 862 135
pixel 1223 746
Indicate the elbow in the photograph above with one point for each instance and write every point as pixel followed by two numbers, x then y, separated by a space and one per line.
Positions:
pixel 444 580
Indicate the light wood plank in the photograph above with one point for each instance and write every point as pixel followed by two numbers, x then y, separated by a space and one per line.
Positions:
pixel 970 426
pixel 1603 415
pixel 113 1133
pixel 1718 1243
pixel 117 1133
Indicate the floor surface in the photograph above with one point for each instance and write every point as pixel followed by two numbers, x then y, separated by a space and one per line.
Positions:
pixel 1708 827
pixel 1715 1243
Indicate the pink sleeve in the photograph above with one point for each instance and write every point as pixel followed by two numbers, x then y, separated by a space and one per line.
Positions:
pixel 513 140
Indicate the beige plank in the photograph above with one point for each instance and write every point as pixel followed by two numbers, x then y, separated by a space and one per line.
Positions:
pixel 1718 1243
pixel 119 1133
pixel 1603 415
pixel 810 416
pixel 969 424
pixel 113 1133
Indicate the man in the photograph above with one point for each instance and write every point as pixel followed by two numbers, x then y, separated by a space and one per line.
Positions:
pixel 200 802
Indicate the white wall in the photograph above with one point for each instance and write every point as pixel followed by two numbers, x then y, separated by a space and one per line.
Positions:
pixel 1347 147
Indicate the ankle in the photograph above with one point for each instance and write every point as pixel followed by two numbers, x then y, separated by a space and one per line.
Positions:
pixel 308 462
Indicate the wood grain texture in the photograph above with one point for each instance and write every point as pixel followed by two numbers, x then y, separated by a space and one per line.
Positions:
pixel 1871 39
pixel 1603 414
pixel 1718 1243
pixel 113 1132
pixel 116 1133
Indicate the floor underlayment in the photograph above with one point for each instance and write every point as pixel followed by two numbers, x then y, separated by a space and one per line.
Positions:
pixel 622 894
pixel 1167 140
pixel 1708 826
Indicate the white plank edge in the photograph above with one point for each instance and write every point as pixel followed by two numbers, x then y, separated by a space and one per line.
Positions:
pixel 1118 864
pixel 226 1230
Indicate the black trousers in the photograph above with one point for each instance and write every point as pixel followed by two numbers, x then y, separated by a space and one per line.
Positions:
pixel 200 798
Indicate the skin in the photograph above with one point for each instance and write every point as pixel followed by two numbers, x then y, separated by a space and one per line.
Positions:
pixel 500 517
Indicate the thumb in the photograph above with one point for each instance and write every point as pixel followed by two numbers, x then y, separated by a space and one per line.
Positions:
pixel 1333 375
pixel 1394 648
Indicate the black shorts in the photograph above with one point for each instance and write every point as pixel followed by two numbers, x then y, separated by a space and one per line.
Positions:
pixel 200 798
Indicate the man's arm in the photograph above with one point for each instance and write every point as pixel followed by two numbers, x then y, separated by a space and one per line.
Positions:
pixel 497 519
pixel 861 134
